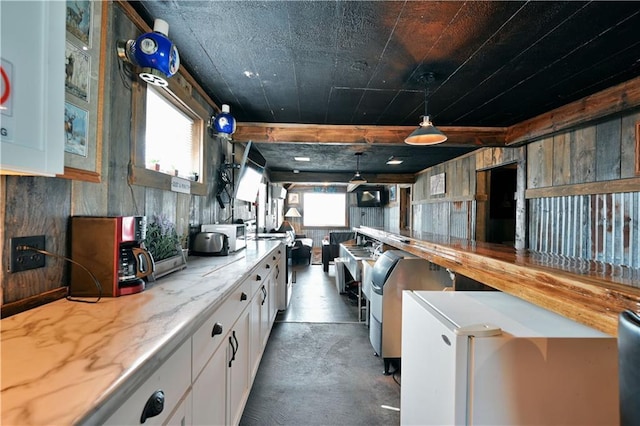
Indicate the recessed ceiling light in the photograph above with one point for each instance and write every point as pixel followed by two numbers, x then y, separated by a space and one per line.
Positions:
pixel 296 171
pixel 302 158
pixel 394 160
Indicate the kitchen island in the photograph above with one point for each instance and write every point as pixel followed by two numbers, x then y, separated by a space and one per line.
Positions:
pixel 591 293
pixel 70 363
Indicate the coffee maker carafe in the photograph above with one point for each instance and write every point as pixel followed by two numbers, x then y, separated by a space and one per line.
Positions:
pixel 112 249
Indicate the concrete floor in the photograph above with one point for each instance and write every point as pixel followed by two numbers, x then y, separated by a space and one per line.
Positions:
pixel 315 298
pixel 318 367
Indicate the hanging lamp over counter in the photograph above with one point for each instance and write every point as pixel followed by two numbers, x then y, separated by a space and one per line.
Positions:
pixel 427 133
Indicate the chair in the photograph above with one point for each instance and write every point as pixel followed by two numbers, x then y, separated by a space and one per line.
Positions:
pixel 301 250
pixel 629 367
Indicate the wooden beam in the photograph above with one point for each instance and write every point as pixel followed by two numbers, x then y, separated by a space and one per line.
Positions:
pixel 477 137
pixel 610 101
pixel 324 177
pixel 589 188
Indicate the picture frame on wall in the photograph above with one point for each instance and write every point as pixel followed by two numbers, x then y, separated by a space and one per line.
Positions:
pixel 293 198
pixel 392 193
pixel 84 89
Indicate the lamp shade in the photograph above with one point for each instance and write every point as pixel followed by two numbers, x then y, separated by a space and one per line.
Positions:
pixel 156 55
pixel 357 178
pixel 224 123
pixel 292 212
pixel 426 134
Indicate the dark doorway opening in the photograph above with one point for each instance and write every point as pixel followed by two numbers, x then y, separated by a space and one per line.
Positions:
pixel 497 205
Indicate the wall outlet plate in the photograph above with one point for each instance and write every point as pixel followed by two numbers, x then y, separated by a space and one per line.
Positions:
pixel 23 260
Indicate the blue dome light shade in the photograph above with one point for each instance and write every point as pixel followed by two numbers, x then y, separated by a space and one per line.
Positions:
pixel 154 53
pixel 224 123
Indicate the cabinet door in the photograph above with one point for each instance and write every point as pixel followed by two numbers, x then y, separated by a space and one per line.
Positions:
pixel 255 330
pixel 172 378
pixel 238 368
pixel 182 414
pixel 33 55
pixel 210 390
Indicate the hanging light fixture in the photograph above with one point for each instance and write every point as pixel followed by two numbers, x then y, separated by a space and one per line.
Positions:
pixel 393 161
pixel 357 178
pixel 154 53
pixel 427 133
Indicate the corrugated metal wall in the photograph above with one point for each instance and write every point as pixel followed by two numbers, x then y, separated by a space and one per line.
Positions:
pixel 455 219
pixel 602 227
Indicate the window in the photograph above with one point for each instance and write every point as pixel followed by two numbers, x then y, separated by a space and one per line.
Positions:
pixel 168 135
pixel 170 145
pixel 322 209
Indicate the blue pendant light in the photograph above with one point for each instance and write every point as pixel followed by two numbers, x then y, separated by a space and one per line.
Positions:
pixel 224 124
pixel 154 53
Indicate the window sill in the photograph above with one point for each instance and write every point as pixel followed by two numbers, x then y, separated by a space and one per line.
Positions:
pixel 144 177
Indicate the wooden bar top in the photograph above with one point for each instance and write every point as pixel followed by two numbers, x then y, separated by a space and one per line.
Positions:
pixel 592 293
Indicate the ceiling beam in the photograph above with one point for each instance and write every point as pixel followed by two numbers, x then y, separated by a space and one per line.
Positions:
pixel 276 176
pixel 476 137
pixel 607 102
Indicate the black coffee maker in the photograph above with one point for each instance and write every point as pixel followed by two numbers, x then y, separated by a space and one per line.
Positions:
pixel 112 249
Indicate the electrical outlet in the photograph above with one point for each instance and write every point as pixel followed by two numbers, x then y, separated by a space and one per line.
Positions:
pixel 22 260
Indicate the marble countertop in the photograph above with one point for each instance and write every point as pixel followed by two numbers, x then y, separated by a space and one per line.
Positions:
pixel 66 362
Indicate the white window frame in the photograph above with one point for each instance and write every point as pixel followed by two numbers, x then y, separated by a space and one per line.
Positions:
pixel 138 173
pixel 310 211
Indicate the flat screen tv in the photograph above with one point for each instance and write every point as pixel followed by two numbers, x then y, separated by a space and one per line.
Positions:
pixel 249 179
pixel 371 198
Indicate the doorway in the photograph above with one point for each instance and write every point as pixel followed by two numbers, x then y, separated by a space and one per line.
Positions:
pixel 496 205
pixel 405 208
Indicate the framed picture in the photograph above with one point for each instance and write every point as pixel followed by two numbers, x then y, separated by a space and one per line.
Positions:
pixel 77 72
pixel 437 184
pixel 75 129
pixel 84 88
pixel 392 193
pixel 293 198
pixel 79 21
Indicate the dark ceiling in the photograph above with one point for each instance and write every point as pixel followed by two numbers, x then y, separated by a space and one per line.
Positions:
pixel 496 63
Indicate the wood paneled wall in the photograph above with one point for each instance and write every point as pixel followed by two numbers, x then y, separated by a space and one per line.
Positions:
pixel 40 205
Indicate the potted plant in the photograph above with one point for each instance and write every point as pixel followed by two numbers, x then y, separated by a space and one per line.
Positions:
pixel 156 165
pixel 165 246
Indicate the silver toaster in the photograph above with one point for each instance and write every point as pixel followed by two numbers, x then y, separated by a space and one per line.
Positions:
pixel 210 243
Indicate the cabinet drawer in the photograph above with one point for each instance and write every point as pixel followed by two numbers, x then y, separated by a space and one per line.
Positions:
pixel 204 344
pixel 172 378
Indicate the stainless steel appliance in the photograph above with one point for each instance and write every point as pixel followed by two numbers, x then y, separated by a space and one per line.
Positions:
pixel 393 272
pixel 236 234
pixel 210 243
pixel 111 248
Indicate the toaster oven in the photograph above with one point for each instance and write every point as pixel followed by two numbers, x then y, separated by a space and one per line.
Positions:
pixel 236 234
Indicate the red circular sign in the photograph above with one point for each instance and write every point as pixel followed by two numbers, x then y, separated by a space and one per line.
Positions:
pixel 6 87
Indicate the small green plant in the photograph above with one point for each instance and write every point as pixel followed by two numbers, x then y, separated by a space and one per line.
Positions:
pixel 162 239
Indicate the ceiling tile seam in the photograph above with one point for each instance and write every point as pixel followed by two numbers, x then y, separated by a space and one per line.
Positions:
pixel 450 76
pixel 335 63
pixel 420 66
pixel 384 49
pixel 540 70
pixel 596 65
pixel 195 36
pixel 293 64
pixel 554 29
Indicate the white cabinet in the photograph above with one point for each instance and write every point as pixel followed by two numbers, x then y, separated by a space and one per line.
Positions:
pixel 492 358
pixel 33 58
pixel 165 389
pixel 228 347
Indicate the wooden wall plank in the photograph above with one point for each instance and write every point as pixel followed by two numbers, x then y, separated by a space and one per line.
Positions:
pixel 36 206
pixel 539 163
pixel 628 154
pixel 583 155
pixel 561 159
pixel 608 150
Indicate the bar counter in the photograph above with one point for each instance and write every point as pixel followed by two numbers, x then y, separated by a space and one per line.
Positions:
pixel 591 293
